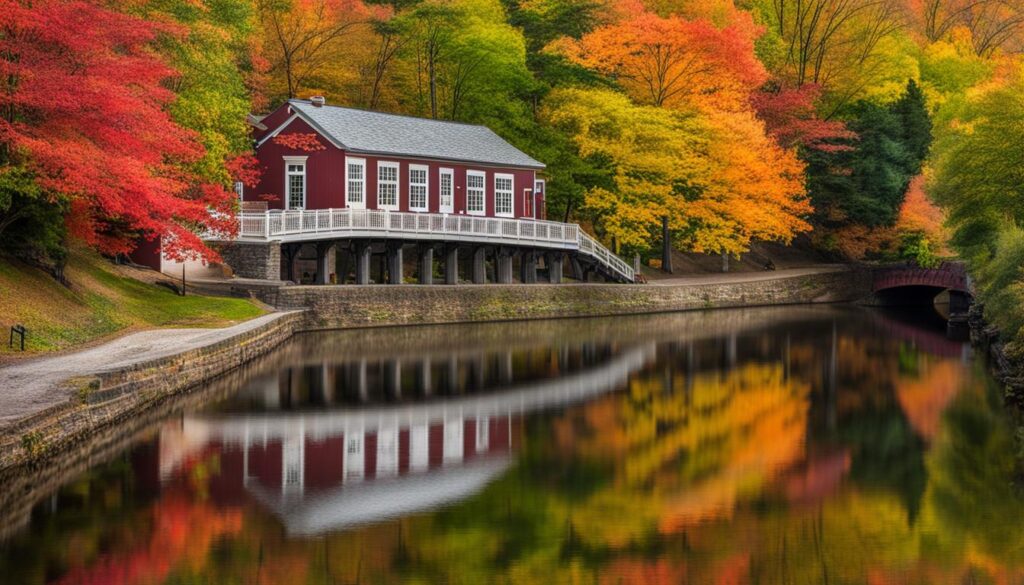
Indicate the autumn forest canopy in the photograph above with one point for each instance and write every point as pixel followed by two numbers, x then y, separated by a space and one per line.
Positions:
pixel 842 122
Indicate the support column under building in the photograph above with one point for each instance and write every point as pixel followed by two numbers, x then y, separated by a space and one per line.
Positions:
pixel 426 264
pixel 554 261
pixel 362 254
pixel 451 265
pixel 394 263
pixel 343 263
pixel 528 267
pixel 325 260
pixel 479 265
pixel 289 252
pixel 503 268
pixel 577 270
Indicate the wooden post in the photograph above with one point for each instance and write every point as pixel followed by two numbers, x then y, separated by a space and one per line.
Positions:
pixel 666 246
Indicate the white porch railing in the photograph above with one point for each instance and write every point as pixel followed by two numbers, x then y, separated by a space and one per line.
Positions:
pixel 299 225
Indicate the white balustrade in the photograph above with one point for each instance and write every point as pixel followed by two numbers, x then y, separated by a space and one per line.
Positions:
pixel 292 224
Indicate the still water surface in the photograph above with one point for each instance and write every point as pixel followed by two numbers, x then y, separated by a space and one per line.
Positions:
pixel 785 445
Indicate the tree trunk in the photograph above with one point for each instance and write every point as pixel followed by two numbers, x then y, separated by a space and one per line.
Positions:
pixel 725 262
pixel 666 246
pixel 433 83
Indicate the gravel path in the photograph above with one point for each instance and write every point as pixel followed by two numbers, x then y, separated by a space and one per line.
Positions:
pixel 734 277
pixel 31 386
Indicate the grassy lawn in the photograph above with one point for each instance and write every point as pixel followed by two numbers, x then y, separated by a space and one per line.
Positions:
pixel 102 300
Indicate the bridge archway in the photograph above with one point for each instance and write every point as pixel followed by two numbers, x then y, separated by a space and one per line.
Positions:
pixel 902 286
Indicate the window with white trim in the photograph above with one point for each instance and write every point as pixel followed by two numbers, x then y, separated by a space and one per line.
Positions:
pixel 295 182
pixel 355 181
pixel 387 185
pixel 503 187
pixel 483 434
pixel 475 193
pixel 418 187
pixel 446 185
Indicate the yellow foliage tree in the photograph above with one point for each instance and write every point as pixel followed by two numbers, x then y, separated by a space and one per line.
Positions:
pixel 717 176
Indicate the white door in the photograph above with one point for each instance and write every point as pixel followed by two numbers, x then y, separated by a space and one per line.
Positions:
pixel 355 183
pixel 446 197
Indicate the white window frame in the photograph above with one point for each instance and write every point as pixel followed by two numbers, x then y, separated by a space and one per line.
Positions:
pixel 288 173
pixel 483 182
pixel 453 441
pixel 511 191
pixel 419 447
pixel 354 458
pixel 293 464
pixel 387 452
pixel 441 174
pixel 426 187
pixel 483 434
pixel 349 160
pixel 397 182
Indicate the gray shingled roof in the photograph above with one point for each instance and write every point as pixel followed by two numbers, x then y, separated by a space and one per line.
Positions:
pixel 380 133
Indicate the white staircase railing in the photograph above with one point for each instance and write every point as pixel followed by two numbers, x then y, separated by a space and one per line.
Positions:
pixel 299 224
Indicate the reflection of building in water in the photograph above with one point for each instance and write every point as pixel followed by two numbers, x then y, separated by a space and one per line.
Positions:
pixel 328 381
pixel 329 469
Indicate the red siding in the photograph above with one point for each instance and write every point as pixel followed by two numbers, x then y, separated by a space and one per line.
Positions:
pixel 370 453
pixel 325 176
pixel 227 485
pixel 323 462
pixel 147 253
pixel 435 440
pixel 265 463
pixel 403 450
pixel 325 172
pixel 469 438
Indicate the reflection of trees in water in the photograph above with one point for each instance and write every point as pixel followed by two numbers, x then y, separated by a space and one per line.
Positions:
pixel 689 476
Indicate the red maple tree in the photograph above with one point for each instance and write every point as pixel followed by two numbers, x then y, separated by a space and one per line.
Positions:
pixel 790 117
pixel 84 108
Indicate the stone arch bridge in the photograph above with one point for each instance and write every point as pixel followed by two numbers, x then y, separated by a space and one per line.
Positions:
pixel 911 285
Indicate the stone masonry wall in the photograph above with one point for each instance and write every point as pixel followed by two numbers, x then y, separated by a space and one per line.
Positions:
pixel 113 397
pixel 351 306
pixel 252 260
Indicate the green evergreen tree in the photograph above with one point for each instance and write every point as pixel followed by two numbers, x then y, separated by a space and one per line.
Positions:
pixel 917 124
pixel 865 183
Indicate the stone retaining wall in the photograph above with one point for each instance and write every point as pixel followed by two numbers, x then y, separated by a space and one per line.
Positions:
pixel 350 306
pixel 252 259
pixel 111 397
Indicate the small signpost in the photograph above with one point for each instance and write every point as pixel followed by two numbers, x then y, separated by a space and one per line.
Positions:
pixel 20 331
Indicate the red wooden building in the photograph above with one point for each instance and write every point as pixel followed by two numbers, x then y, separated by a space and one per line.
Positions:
pixel 374 160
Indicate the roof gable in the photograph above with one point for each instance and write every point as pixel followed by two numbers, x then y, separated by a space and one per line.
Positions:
pixel 391 134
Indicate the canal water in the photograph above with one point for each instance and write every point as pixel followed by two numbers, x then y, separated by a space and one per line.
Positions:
pixel 781 445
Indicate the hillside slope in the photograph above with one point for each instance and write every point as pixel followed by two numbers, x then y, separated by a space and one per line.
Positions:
pixel 103 299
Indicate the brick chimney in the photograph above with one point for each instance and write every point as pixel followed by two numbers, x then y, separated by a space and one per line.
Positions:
pixel 317 101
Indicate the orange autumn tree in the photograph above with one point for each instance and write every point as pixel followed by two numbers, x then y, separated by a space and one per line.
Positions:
pixel 683 142
pixel 755 189
pixel 674 62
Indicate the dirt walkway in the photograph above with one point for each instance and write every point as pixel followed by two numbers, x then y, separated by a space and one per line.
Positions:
pixel 34 385
pixel 737 277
